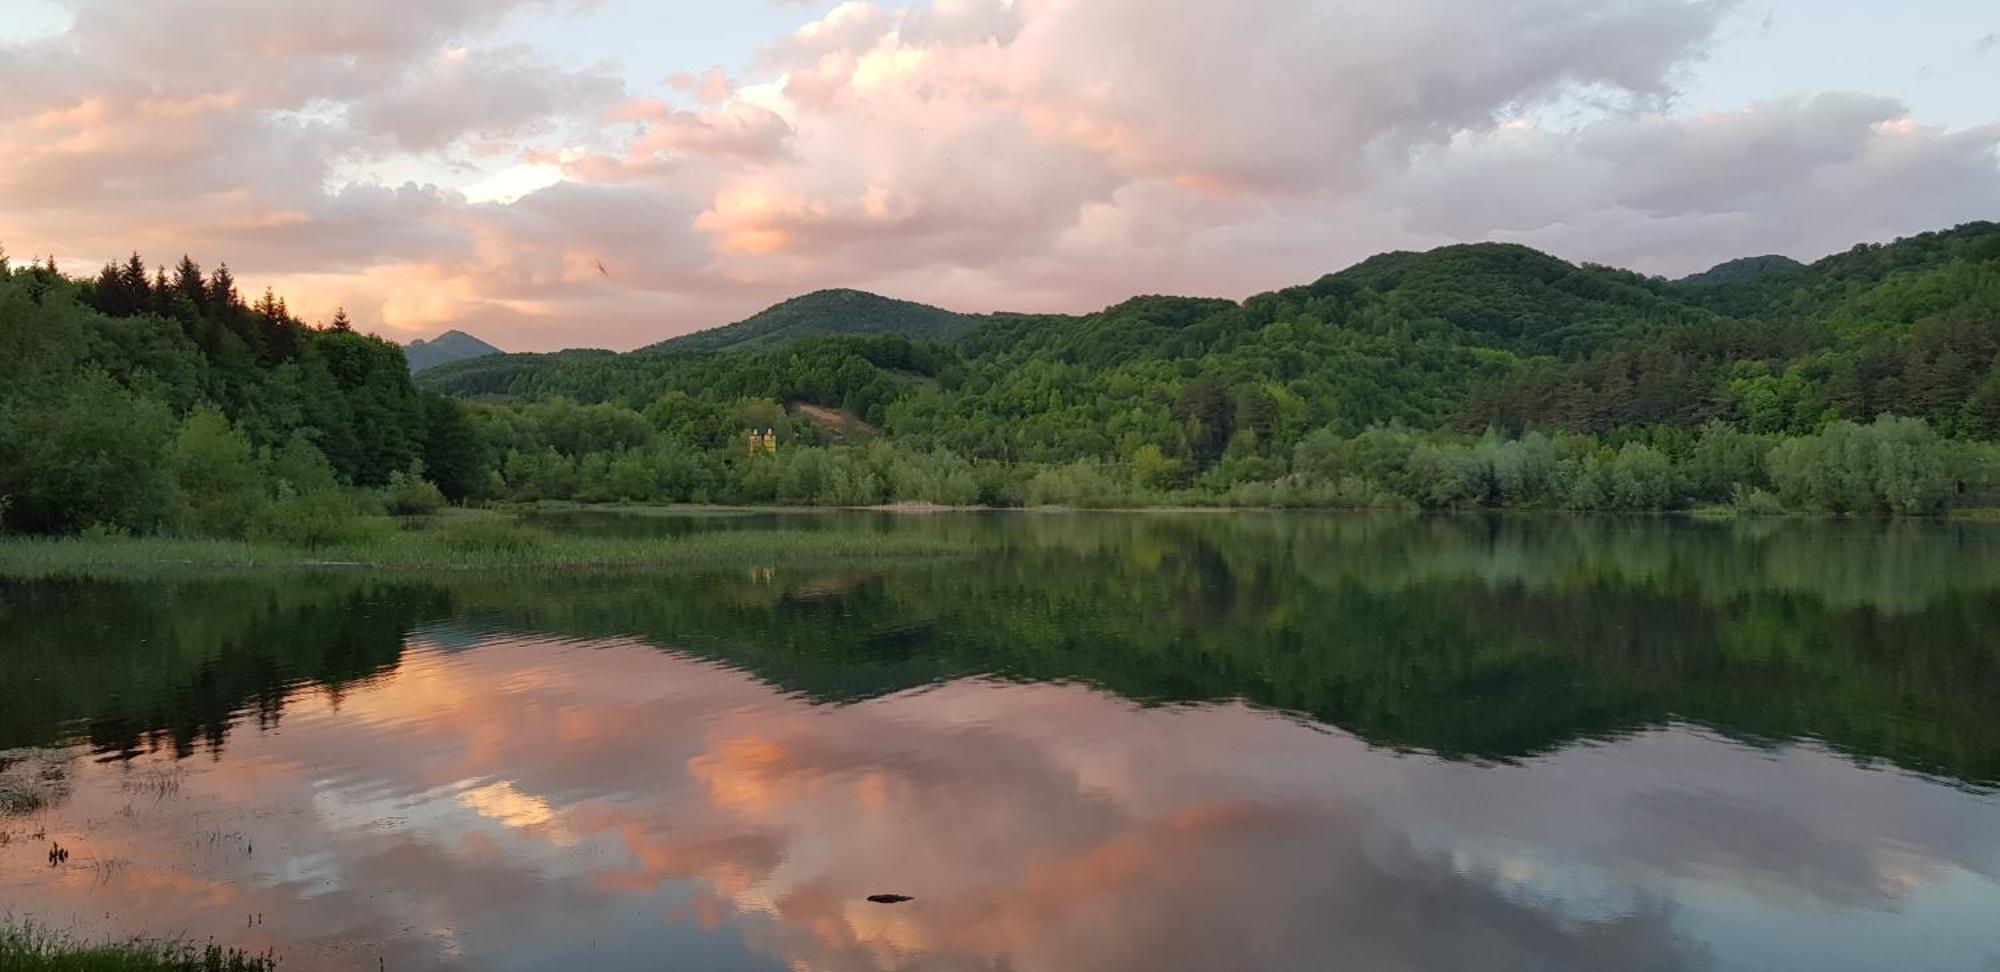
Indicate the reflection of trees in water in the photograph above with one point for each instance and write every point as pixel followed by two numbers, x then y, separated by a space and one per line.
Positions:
pixel 139 665
pixel 1486 638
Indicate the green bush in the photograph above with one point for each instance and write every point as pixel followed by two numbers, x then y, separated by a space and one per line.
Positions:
pixel 1642 478
pixel 1893 465
pixel 1085 485
pixel 221 487
pixel 314 521
pixel 1750 501
pixel 410 494
pixel 85 451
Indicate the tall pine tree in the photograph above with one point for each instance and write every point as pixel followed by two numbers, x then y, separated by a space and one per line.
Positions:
pixel 188 283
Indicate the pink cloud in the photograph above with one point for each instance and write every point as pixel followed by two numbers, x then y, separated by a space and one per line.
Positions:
pixel 1031 155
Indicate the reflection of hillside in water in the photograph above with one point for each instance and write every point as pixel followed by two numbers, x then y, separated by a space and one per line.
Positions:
pixel 540 799
pixel 1487 638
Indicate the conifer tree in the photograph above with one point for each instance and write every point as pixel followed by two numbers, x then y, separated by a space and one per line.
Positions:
pixel 222 296
pixel 109 294
pixel 340 321
pixel 163 293
pixel 132 280
pixel 188 282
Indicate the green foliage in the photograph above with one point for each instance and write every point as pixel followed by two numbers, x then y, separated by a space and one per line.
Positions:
pixel 408 493
pixel 454 455
pixel 490 537
pixel 33 948
pixel 299 466
pixel 823 477
pixel 85 451
pixel 826 312
pixel 1466 338
pixel 938 477
pixel 1890 466
pixel 1153 469
pixel 1470 377
pixel 144 405
pixel 222 488
pixel 312 521
pixel 1750 501
pixel 1641 479
pixel 1083 485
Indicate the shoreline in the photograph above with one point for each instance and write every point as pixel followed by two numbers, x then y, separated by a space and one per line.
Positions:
pixel 429 550
pixel 692 510
pixel 503 540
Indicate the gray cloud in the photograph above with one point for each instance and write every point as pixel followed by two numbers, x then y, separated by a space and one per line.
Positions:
pixel 1670 194
pixel 492 93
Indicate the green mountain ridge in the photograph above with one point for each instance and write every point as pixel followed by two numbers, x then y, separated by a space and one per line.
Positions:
pixel 1741 270
pixel 1462 337
pixel 1471 376
pixel 826 313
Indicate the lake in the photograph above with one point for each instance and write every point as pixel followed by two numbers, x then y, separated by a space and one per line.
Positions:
pixel 1229 741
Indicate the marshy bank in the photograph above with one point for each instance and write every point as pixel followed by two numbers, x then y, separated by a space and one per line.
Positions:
pixel 462 541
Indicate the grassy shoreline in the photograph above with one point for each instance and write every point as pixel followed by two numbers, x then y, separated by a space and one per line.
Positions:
pixel 472 542
pixel 1712 511
pixel 485 540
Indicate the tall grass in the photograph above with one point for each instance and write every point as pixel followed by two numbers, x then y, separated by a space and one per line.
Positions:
pixel 33 948
pixel 471 541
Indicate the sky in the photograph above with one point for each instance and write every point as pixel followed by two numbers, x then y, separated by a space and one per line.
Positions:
pixel 608 173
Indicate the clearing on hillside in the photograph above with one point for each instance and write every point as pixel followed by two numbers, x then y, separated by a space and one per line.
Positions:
pixel 837 423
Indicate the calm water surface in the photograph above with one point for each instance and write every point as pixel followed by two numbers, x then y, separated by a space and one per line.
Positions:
pixel 1092 742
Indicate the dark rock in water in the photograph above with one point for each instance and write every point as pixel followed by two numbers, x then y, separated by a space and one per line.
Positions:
pixel 889 898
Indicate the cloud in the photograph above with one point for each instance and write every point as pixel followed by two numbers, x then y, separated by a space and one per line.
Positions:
pixel 983 154
pixel 490 94
pixel 1669 194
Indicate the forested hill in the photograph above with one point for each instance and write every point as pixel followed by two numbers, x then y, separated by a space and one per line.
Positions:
pixel 1462 337
pixel 1743 269
pixel 1481 375
pixel 826 313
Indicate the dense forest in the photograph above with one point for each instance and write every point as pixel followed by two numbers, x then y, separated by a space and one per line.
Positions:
pixel 1472 376
pixel 143 402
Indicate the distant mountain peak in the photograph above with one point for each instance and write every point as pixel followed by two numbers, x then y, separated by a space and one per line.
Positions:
pixel 452 345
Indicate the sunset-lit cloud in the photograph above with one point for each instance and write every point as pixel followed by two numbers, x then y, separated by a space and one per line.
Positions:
pixel 436 163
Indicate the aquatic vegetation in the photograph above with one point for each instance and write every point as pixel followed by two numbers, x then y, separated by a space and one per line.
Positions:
pixel 31 779
pixel 464 541
pixel 31 947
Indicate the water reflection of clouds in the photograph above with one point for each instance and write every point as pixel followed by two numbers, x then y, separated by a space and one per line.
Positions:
pixel 533 797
